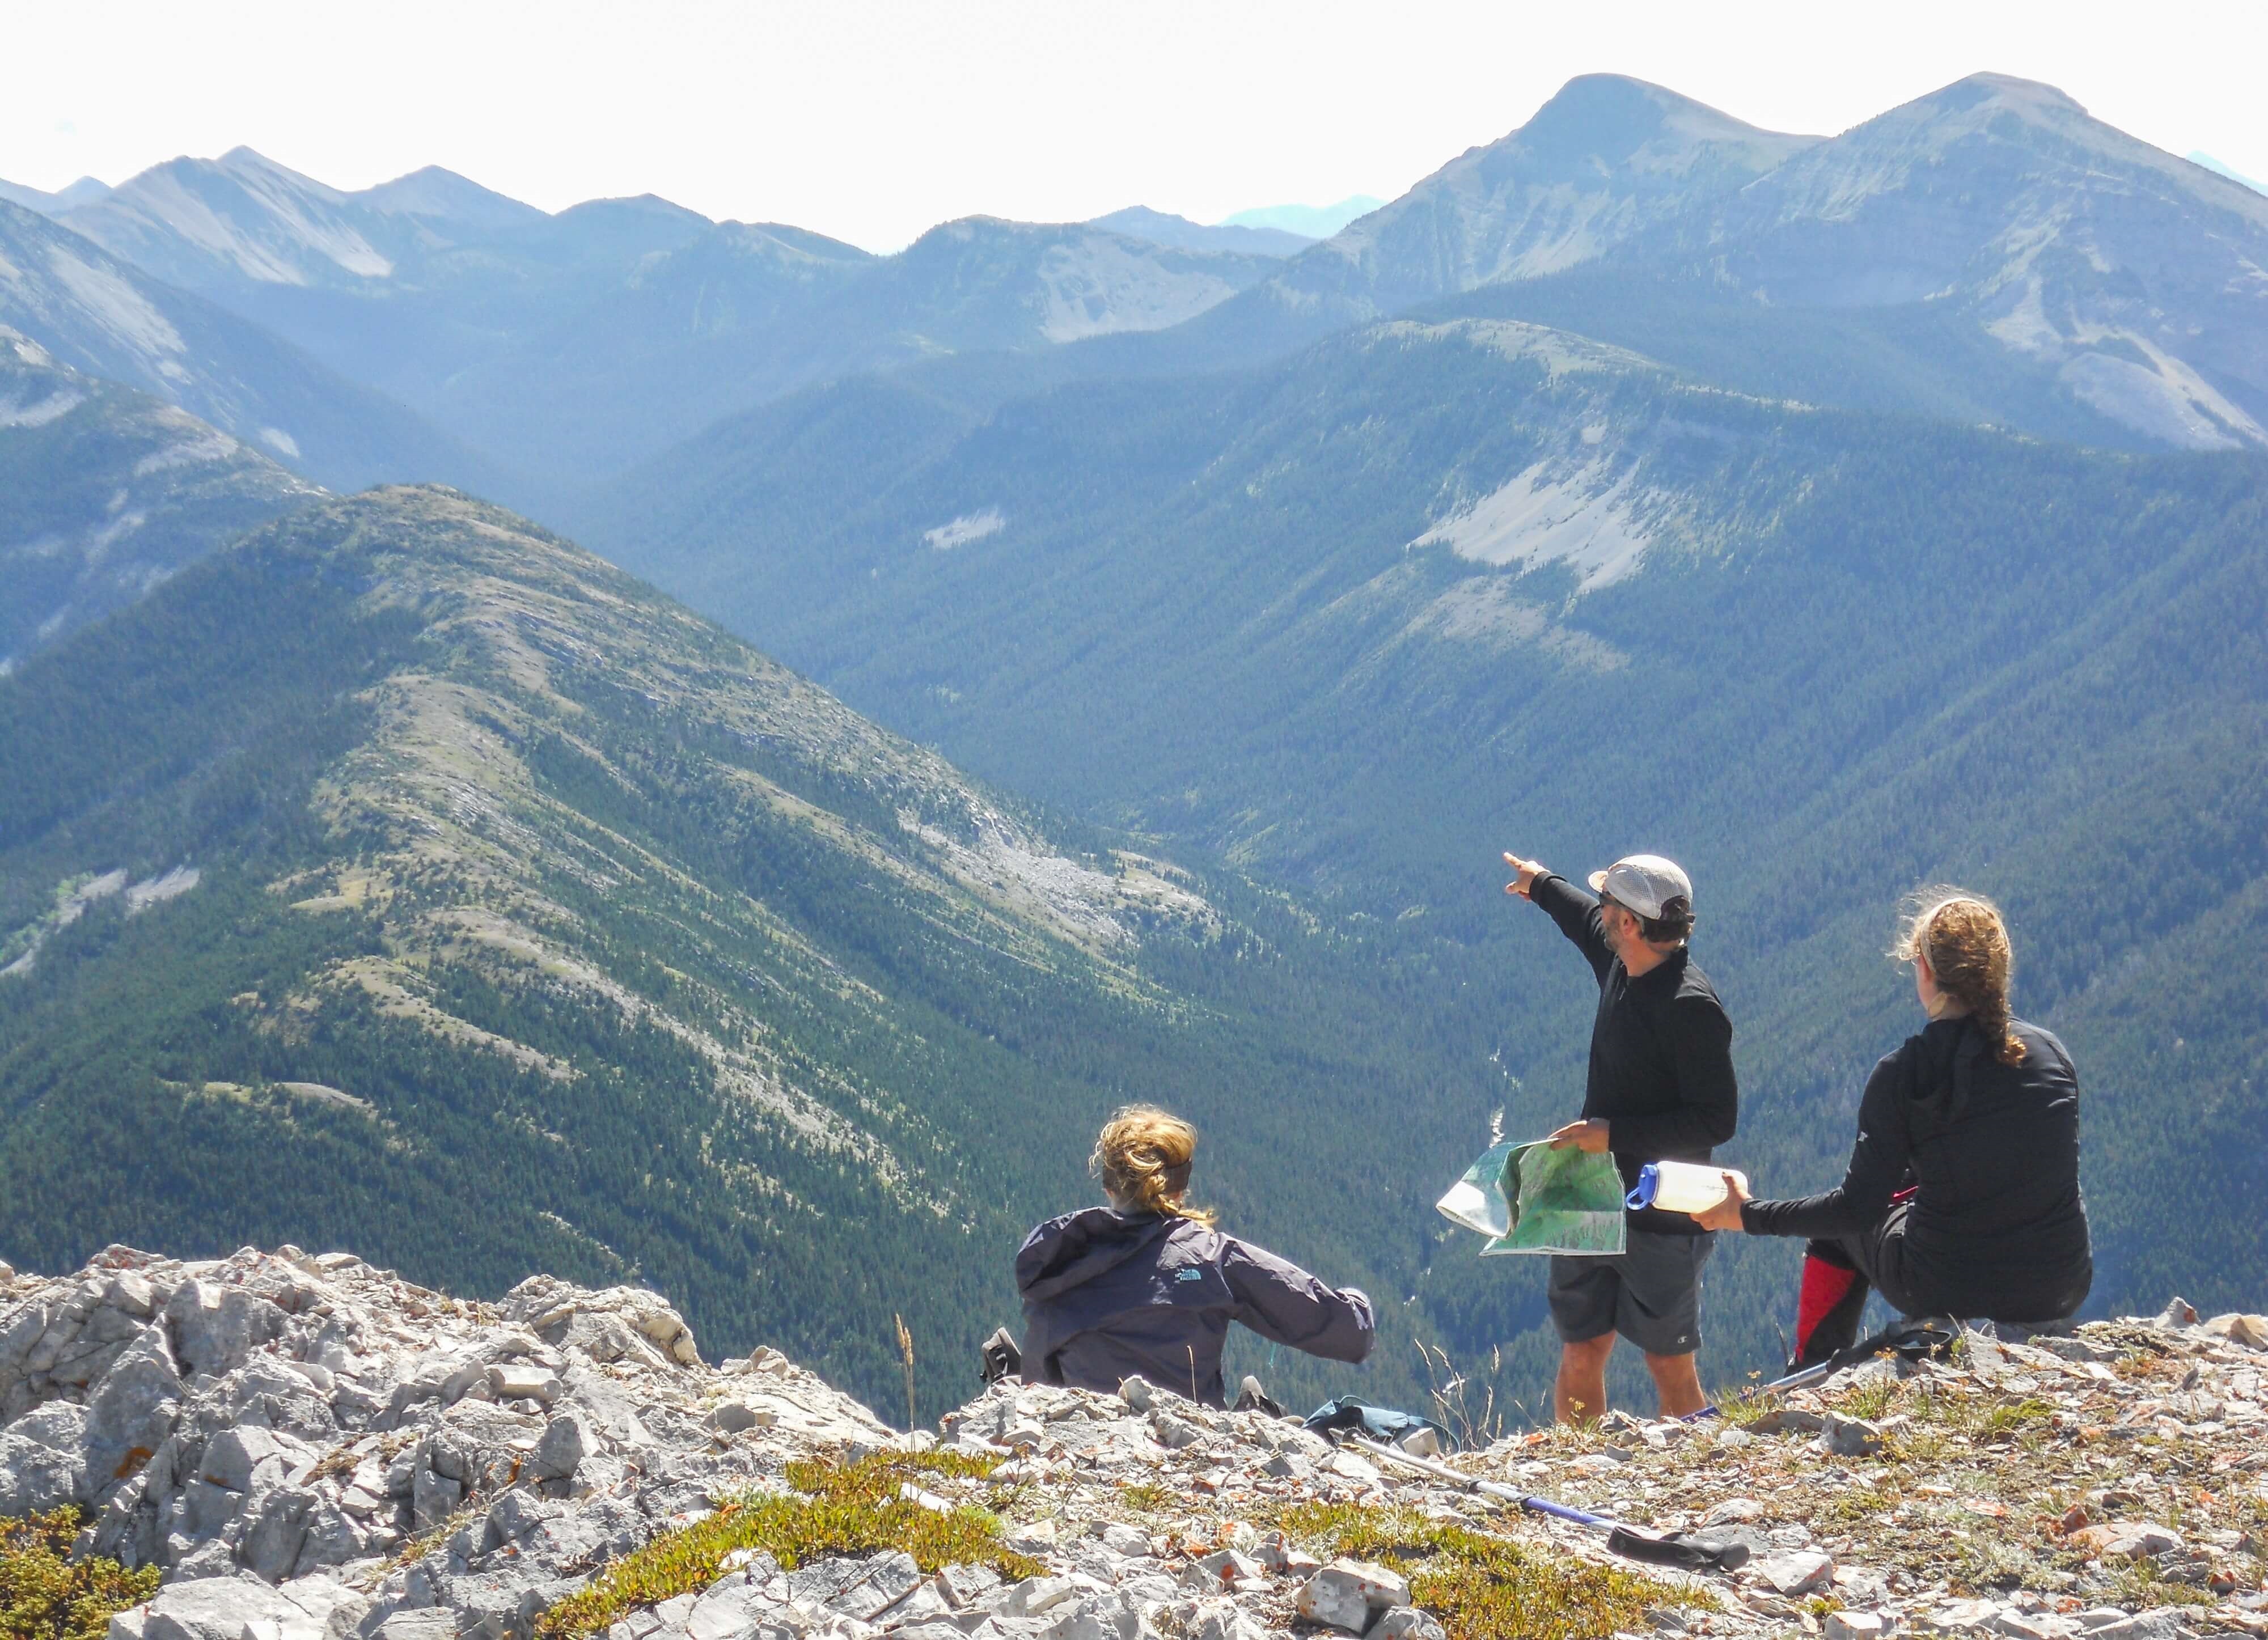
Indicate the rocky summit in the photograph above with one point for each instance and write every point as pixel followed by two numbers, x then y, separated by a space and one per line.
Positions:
pixel 310 1448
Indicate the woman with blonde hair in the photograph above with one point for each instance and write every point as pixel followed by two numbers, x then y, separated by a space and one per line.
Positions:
pixel 1961 1197
pixel 1146 1285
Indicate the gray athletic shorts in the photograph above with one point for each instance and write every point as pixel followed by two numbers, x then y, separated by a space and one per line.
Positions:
pixel 1650 1294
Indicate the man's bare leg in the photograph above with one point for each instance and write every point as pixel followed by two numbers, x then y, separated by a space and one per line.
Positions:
pixel 1580 1393
pixel 1677 1384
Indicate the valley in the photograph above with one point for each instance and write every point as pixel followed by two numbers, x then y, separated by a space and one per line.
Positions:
pixel 1058 662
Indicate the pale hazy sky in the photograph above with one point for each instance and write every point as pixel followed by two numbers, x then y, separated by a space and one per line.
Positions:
pixel 870 120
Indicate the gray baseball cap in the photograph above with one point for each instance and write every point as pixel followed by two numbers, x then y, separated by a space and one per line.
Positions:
pixel 1644 883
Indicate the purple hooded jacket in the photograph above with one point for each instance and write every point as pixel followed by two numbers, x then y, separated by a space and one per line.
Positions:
pixel 1107 1295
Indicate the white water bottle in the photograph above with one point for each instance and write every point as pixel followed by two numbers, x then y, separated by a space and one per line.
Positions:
pixel 1681 1187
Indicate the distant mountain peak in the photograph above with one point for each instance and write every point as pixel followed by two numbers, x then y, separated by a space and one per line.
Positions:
pixel 1604 158
pixel 86 191
pixel 434 191
pixel 1163 228
pixel 1309 222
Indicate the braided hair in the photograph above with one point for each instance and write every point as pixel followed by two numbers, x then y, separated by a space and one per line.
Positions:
pixel 1143 1160
pixel 1964 940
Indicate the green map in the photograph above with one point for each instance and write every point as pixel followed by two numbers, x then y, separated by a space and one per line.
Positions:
pixel 1529 1197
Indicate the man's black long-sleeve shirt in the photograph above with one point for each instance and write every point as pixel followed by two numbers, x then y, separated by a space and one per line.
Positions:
pixel 1661 1053
pixel 1998 1227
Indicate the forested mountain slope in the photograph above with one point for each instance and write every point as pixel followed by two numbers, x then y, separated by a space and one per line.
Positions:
pixel 400 286
pixel 745 314
pixel 407 876
pixel 105 492
pixel 1362 619
pixel 96 314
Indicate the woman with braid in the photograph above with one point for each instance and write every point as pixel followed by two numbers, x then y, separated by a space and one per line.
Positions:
pixel 1147 1286
pixel 1961 1197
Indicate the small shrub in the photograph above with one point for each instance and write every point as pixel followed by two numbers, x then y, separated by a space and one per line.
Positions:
pixel 836 1508
pixel 1484 1587
pixel 44 1595
pixel 2006 1420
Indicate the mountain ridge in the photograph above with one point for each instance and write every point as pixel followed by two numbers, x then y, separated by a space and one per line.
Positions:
pixel 99 315
pixel 105 492
pixel 604 940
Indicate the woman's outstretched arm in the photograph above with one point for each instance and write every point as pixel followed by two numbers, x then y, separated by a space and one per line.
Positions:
pixel 1878 1167
pixel 1280 1301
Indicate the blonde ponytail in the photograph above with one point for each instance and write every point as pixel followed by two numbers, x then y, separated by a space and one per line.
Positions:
pixel 1964 940
pixel 1143 1160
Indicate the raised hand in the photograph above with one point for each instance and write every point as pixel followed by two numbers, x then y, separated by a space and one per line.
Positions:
pixel 1526 873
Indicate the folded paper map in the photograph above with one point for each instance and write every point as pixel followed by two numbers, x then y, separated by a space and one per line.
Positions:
pixel 1528 1197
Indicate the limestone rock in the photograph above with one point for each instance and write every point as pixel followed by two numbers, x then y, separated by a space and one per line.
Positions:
pixel 215 1329
pixel 1801 1571
pixel 220 1608
pixel 36 1476
pixel 1345 1593
pixel 2127 1540
pixel 1851 1437
pixel 132 1411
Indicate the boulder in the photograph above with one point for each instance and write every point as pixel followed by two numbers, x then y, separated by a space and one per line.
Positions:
pixel 2251 1331
pixel 1407 1622
pixel 875 1584
pixel 522 1381
pixel 2126 1540
pixel 220 1608
pixel 2164 1624
pixel 1220 1619
pixel 734 1608
pixel 275 1529
pixel 433 1623
pixel 215 1329
pixel 333 1538
pixel 1799 1571
pixel 1173 1432
pixel 566 1440
pixel 1851 1437
pixel 1345 1593
pixel 234 1456
pixel 34 1476
pixel 60 1425
pixel 733 1417
pixel 132 1411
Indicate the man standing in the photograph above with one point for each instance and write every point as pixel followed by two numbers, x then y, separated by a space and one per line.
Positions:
pixel 1661 1088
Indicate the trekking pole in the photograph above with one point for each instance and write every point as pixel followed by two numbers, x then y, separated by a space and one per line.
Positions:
pixel 1628 1541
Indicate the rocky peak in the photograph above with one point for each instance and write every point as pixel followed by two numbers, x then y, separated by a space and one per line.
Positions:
pixel 2057 232
pixel 315 1444
pixel 442 194
pixel 1601 160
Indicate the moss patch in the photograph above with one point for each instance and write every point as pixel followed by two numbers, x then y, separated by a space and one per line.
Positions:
pixel 835 1509
pixel 1484 1587
pixel 44 1595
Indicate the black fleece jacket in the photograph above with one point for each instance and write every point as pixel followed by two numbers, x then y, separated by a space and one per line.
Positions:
pixel 1661 1053
pixel 1997 1228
